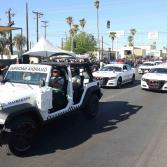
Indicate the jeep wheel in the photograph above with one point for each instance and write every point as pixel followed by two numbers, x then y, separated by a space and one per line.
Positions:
pixel 119 83
pixel 92 107
pixel 22 135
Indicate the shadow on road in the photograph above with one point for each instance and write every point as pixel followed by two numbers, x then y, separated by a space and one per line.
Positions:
pixel 136 83
pixel 74 129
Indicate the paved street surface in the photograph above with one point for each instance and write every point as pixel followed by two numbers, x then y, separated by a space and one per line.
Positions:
pixel 126 133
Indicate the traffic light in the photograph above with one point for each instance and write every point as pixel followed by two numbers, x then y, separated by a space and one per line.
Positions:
pixel 108 24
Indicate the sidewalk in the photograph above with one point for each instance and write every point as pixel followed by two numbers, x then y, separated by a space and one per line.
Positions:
pixel 155 154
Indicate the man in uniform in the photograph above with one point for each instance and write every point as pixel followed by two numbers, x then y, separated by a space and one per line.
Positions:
pixel 57 81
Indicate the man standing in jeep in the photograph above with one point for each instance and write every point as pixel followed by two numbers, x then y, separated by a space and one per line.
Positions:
pixel 57 81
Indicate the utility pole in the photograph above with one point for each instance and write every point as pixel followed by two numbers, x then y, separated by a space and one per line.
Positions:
pixel 102 47
pixel 38 15
pixel 10 23
pixel 62 43
pixel 27 26
pixel 45 26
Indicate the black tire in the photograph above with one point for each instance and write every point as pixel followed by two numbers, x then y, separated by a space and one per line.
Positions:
pixel 92 108
pixel 22 135
pixel 133 79
pixel 119 83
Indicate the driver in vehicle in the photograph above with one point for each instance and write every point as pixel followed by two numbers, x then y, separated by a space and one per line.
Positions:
pixel 57 81
pixel 59 97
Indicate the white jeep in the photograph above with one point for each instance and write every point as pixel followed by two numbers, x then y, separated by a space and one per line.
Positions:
pixel 27 100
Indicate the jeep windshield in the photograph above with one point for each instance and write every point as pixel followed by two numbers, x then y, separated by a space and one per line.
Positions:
pixel 111 68
pixel 25 77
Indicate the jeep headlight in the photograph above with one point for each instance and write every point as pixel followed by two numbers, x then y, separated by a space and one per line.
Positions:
pixel 112 78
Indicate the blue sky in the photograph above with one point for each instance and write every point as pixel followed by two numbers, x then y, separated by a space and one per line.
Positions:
pixel 144 16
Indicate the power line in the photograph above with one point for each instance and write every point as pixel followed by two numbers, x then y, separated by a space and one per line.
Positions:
pixel 45 26
pixel 38 15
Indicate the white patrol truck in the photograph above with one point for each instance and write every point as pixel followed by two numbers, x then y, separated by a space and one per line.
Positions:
pixel 27 100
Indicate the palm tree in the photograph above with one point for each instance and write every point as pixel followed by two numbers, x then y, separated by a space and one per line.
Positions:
pixel 3 43
pixel 112 36
pixel 69 20
pixel 130 40
pixel 73 31
pixel 75 28
pixel 19 42
pixel 82 23
pixel 96 3
pixel 133 32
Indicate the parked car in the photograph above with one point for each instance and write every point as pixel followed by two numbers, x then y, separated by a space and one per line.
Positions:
pixel 157 62
pixel 145 67
pixel 27 100
pixel 155 79
pixel 115 75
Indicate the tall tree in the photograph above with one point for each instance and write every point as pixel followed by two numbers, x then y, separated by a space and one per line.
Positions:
pixel 3 43
pixel 82 23
pixel 133 32
pixel 112 36
pixel 19 42
pixel 69 21
pixel 130 40
pixel 97 3
pixel 75 28
pixel 73 31
pixel 84 43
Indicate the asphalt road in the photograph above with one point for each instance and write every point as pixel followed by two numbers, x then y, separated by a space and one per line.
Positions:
pixel 129 121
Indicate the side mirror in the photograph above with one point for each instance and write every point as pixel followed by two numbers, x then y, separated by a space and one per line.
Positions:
pixel 125 70
pixel 3 80
pixel 41 83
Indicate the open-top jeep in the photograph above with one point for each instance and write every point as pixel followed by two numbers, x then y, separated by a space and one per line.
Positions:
pixel 27 100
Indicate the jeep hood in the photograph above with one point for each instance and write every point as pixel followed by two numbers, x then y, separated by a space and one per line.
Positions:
pixel 13 95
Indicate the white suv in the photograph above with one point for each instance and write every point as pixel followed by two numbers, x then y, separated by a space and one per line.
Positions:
pixel 115 75
pixel 27 100
pixel 145 67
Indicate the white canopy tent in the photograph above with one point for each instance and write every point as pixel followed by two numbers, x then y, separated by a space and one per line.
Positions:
pixel 45 49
